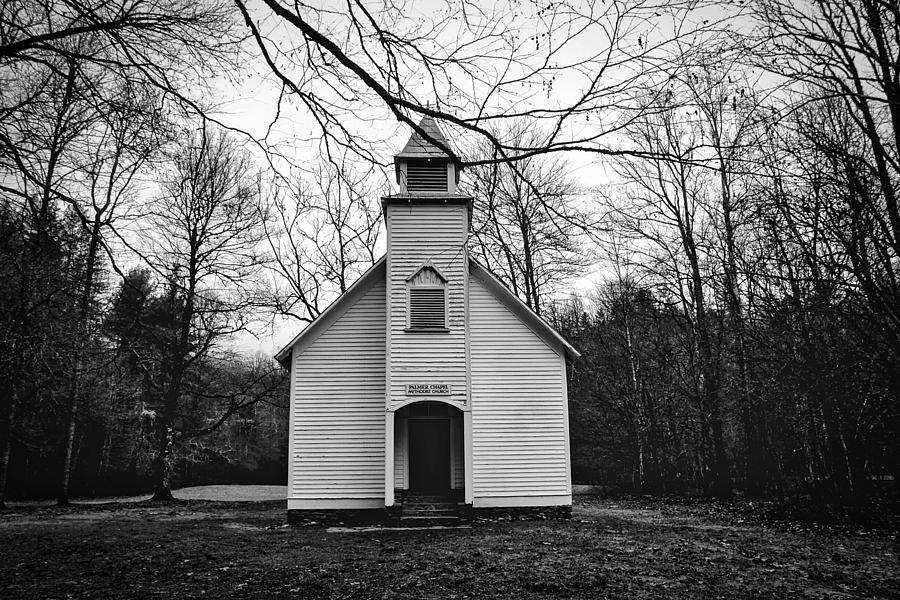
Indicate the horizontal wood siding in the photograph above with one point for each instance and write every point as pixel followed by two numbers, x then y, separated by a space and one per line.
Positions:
pixel 418 233
pixel 458 463
pixel 518 405
pixel 338 430
pixel 401 482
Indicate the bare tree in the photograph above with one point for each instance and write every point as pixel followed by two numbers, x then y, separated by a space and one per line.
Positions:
pixel 117 151
pixel 846 52
pixel 75 146
pixel 833 215
pixel 527 221
pixel 324 232
pixel 729 116
pixel 67 70
pixel 166 44
pixel 208 238
pixel 665 212
pixel 47 136
pixel 625 303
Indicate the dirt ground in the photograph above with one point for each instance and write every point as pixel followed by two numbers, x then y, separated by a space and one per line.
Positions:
pixel 610 549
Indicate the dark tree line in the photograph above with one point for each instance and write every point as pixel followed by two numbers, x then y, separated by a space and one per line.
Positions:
pixel 112 383
pixel 748 338
pixel 745 333
pixel 95 105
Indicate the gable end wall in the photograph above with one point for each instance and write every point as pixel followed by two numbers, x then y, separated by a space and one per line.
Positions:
pixel 519 409
pixel 337 411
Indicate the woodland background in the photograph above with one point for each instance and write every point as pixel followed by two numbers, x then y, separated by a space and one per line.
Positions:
pixel 741 230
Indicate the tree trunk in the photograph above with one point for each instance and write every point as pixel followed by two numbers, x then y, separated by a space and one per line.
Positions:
pixel 136 450
pixel 837 460
pixel 105 450
pixel 162 467
pixel 62 498
pixel 84 327
pixel 717 481
pixel 165 432
pixel 6 421
pixel 654 483
pixel 752 458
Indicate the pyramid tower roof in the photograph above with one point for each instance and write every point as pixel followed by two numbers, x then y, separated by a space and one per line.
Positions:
pixel 419 147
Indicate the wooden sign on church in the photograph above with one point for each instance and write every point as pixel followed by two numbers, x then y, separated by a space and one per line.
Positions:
pixel 427 389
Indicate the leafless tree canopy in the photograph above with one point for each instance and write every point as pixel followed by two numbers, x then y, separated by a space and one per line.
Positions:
pixel 323 234
pixel 528 225
pixel 474 66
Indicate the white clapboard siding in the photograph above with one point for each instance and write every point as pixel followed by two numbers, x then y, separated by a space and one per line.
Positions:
pixel 518 406
pixel 434 235
pixel 401 445
pixel 338 431
pixel 458 473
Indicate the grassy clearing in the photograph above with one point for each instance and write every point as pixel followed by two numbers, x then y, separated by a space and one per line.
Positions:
pixel 611 549
pixel 227 493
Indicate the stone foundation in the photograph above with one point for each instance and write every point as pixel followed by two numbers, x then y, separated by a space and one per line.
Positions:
pixel 391 516
pixel 520 513
pixel 344 516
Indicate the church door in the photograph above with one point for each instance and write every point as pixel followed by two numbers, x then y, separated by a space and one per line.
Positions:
pixel 429 456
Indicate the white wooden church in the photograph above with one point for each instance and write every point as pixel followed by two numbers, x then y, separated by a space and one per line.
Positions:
pixel 428 377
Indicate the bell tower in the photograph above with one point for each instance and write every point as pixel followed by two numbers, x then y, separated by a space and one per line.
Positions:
pixel 423 169
pixel 427 224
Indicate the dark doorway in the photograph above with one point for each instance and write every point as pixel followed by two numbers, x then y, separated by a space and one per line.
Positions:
pixel 429 456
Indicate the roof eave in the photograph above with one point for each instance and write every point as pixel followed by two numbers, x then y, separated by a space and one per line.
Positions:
pixel 283 356
pixel 537 321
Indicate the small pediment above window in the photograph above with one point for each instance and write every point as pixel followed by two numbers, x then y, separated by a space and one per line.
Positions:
pixel 426 276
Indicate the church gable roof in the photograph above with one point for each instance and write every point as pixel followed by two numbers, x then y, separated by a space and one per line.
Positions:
pixel 377 272
pixel 327 317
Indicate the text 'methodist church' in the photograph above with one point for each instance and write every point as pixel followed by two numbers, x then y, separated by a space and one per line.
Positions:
pixel 427 379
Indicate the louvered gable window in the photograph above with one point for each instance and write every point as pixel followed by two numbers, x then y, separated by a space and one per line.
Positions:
pixel 426 176
pixel 426 309
pixel 427 300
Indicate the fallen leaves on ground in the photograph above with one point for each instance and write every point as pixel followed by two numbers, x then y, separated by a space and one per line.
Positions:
pixel 619 548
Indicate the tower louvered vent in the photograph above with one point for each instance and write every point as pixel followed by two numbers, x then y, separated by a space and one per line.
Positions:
pixel 422 176
pixel 426 308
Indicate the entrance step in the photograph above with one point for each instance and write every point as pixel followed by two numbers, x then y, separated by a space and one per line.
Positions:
pixel 418 510
pixel 430 505
pixel 429 497
pixel 428 520
pixel 425 512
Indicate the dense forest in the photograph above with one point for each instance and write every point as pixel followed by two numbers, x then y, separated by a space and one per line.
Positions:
pixel 740 228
